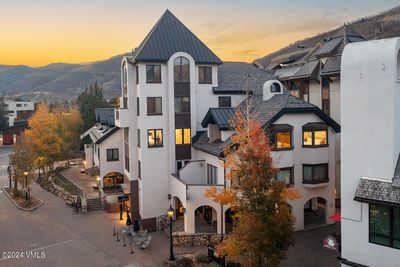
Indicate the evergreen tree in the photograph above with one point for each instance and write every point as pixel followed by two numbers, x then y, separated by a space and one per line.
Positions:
pixel 3 116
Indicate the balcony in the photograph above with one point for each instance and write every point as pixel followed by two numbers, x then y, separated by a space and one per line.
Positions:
pixel 315 183
pixel 122 117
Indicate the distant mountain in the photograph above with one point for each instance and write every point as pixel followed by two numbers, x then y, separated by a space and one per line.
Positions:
pixel 59 80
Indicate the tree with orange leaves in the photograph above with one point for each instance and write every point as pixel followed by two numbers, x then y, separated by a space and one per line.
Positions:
pixel 263 225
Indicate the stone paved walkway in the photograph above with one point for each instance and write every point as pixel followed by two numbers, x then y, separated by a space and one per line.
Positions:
pixel 85 181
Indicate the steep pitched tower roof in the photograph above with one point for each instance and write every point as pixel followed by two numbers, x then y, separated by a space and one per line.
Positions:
pixel 169 36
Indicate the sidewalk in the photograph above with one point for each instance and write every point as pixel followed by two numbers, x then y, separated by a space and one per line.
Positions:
pixel 85 181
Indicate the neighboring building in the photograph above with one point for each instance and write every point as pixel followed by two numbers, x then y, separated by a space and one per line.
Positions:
pixel 303 148
pixel 18 110
pixel 313 74
pixel 104 156
pixel 169 84
pixel 370 108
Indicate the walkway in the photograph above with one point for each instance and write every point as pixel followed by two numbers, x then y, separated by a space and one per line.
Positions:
pixel 85 181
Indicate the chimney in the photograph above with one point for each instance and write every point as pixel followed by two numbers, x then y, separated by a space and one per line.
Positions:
pixel 271 88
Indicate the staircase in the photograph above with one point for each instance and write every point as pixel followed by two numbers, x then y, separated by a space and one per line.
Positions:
pixel 94 204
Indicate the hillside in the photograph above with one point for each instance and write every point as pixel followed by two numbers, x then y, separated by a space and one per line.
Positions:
pixel 60 80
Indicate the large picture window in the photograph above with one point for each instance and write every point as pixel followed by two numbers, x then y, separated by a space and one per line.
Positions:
pixel 112 154
pixel 182 104
pixel 315 174
pixel 181 70
pixel 205 75
pixel 153 73
pixel 154 106
pixel 211 174
pixel 315 135
pixel 384 225
pixel 155 138
pixel 182 136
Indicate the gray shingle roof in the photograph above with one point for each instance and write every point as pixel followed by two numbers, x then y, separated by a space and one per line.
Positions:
pixel 307 70
pixel 99 132
pixel 329 47
pixel 370 190
pixel 396 176
pixel 169 36
pixel 332 66
pixel 200 142
pixel 237 77
pixel 286 73
pixel 219 116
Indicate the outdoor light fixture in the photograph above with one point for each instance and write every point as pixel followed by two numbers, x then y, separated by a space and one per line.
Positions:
pixel 98 178
pixel 26 179
pixel 170 214
pixel 26 173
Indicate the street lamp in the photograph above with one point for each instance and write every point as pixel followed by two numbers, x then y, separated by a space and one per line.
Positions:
pixel 170 214
pixel 26 179
pixel 84 164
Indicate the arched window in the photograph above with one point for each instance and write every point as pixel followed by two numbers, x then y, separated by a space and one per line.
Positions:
pixel 181 70
pixel 124 78
pixel 275 88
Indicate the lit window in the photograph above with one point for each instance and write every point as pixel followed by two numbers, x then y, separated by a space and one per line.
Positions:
pixel 153 73
pixel 283 140
pixel 155 138
pixel 182 136
pixel 205 75
pixel 315 134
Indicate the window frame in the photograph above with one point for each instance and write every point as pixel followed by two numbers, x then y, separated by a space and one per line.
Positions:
pixel 137 74
pixel 214 170
pixel 313 181
pixel 205 81
pixel 180 65
pixel 155 140
pixel 314 129
pixel 391 236
pixel 183 136
pixel 291 179
pixel 137 106
pixel 153 98
pixel 175 104
pixel 224 97
pixel 112 158
pixel 156 79
pixel 138 138
pixel 139 170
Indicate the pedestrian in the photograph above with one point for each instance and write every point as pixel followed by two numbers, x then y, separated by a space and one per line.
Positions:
pixel 121 210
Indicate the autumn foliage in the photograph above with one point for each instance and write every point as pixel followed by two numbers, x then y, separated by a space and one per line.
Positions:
pixel 263 224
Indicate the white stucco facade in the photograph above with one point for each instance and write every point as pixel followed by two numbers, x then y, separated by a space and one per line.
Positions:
pixel 15 107
pixel 370 115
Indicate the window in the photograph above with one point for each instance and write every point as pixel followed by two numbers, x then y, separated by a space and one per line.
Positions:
pixel 19 105
pixel 153 73
pixel 181 70
pixel 154 106
pixel 113 179
pixel 315 135
pixel 182 104
pixel 155 138
pixel 137 74
pixel 139 167
pixel 211 174
pixel 384 225
pixel 127 163
pixel 182 136
pixel 98 153
pixel 224 102
pixel 138 137
pixel 325 95
pixel 275 88
pixel 281 136
pixel 285 175
pixel 137 106
pixel 112 154
pixel 25 105
pixel 126 149
pixel 283 140
pixel 314 174
pixel 205 75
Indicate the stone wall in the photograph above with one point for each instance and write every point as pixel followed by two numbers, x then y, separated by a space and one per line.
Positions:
pixel 182 239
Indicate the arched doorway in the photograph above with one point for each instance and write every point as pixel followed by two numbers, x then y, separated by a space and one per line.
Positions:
pixel 205 219
pixel 179 225
pixel 229 220
pixel 315 213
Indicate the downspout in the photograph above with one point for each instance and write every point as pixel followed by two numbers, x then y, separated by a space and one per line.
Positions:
pixel 222 206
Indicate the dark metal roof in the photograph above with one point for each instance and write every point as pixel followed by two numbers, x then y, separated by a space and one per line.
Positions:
pixel 237 77
pixel 377 191
pixel 169 36
pixel 105 116
pixel 219 116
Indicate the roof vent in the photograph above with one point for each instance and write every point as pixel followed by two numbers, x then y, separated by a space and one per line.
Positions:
pixel 271 88
pixel 302 46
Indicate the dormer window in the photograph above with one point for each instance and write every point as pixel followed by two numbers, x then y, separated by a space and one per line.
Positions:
pixel 315 134
pixel 275 88
pixel 281 137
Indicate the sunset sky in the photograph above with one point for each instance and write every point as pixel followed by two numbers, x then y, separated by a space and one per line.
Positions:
pixel 39 32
